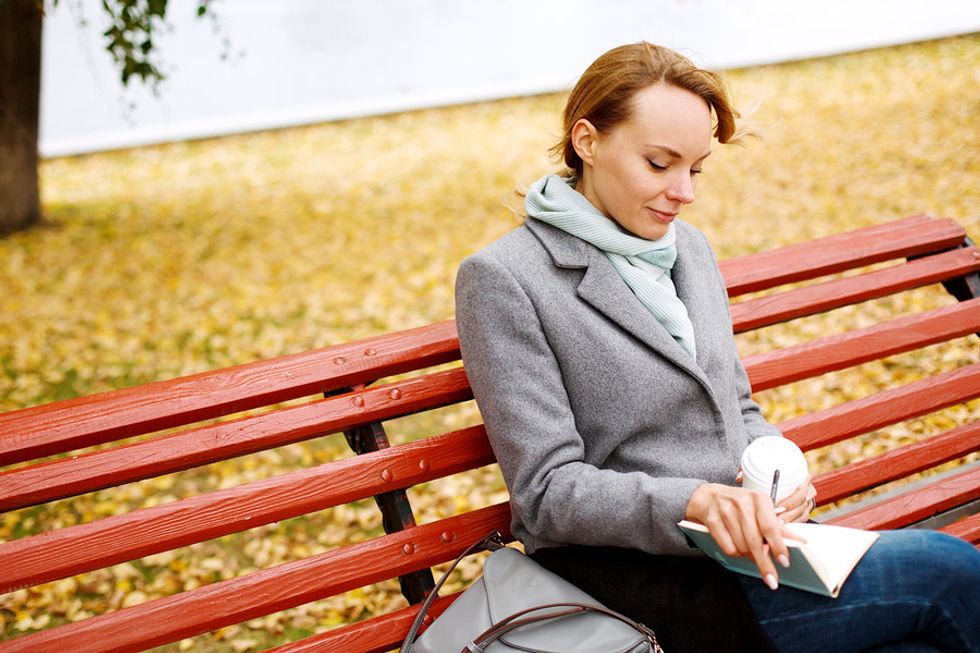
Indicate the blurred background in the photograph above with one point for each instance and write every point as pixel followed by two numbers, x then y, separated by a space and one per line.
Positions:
pixel 309 173
pixel 255 65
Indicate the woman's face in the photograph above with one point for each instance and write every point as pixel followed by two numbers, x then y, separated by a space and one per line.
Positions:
pixel 642 171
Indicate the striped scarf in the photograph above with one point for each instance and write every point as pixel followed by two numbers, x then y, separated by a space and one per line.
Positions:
pixel 643 264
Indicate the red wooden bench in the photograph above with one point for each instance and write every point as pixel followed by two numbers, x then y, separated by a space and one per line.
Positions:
pixel 351 390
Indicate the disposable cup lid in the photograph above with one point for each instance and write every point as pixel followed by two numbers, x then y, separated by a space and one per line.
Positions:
pixel 771 452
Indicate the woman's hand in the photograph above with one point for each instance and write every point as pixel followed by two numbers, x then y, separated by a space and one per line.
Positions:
pixel 797 506
pixel 743 523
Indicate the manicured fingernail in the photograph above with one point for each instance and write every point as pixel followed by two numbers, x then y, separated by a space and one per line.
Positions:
pixel 780 510
pixel 772 582
pixel 783 560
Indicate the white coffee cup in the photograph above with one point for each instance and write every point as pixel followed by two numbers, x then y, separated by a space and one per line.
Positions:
pixel 764 456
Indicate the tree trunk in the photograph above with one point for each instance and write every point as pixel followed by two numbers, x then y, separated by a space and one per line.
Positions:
pixel 20 90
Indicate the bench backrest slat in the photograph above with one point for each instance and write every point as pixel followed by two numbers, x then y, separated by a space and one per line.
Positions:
pixel 967 528
pixel 898 463
pixel 832 254
pixel 65 426
pixel 891 406
pixel 915 505
pixel 139 533
pixel 816 357
pixel 208 444
pixel 820 297
pixel 269 590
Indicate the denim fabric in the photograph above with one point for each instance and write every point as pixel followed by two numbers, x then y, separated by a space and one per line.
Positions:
pixel 914 591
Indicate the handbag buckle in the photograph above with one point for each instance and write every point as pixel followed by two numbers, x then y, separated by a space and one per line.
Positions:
pixel 493 541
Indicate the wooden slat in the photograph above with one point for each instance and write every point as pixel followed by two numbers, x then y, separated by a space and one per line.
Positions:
pixel 864 415
pixel 809 359
pixel 67 425
pixel 376 635
pixel 822 256
pixel 967 528
pixel 202 445
pixel 108 541
pixel 915 505
pixel 63 426
pixel 818 298
pixel 288 585
pixel 896 464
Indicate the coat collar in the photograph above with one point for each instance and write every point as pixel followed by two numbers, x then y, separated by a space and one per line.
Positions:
pixel 603 288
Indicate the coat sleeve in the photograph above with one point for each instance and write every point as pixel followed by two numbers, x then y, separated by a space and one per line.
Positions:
pixel 755 424
pixel 555 494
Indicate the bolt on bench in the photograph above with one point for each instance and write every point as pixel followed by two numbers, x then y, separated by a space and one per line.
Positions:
pixel 351 390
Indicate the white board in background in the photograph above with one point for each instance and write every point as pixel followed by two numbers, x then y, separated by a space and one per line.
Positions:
pixel 305 61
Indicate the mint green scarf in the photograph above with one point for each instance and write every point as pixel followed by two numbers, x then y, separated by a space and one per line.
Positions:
pixel 643 264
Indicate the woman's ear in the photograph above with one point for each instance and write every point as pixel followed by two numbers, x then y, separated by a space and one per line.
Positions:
pixel 584 137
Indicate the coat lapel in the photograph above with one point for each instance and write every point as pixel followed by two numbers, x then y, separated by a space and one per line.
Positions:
pixel 603 288
pixel 703 292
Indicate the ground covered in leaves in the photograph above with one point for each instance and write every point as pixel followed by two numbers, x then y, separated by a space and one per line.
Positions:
pixel 169 260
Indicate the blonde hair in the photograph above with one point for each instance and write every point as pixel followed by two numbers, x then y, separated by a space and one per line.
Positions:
pixel 605 90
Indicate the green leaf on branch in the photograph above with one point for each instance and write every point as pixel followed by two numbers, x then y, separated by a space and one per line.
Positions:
pixel 158 8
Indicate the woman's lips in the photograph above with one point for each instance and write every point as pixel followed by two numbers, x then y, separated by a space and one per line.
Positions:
pixel 662 216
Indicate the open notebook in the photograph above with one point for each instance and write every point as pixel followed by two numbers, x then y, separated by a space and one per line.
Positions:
pixel 819 565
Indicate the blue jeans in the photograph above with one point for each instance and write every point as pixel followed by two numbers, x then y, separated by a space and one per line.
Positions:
pixel 915 590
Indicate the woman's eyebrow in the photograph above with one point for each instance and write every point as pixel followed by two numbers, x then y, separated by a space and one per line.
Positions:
pixel 674 153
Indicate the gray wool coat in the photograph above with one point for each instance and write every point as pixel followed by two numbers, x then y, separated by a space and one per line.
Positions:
pixel 602 424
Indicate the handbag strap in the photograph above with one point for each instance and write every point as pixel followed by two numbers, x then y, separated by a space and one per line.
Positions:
pixel 491 542
pixel 519 619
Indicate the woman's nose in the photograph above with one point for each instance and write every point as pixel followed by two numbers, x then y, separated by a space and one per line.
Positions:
pixel 681 188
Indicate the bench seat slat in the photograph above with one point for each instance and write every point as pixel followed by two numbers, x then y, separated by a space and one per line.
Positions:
pixel 898 463
pixel 63 426
pixel 198 446
pixel 111 540
pixel 377 635
pixel 864 415
pixel 818 298
pixel 831 254
pixel 915 505
pixel 967 528
pixel 290 584
pixel 783 366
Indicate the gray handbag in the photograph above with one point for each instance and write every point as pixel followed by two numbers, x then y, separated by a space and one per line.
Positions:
pixel 518 605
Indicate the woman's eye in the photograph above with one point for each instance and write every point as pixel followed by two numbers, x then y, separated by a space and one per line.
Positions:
pixel 657 166
pixel 695 172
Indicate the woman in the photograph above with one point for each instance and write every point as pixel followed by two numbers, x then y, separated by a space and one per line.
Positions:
pixel 598 343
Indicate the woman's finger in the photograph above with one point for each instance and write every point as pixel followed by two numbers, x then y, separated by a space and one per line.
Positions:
pixel 797 498
pixel 772 530
pixel 751 517
pixel 809 503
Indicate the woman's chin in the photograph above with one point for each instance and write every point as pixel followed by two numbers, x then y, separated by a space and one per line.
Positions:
pixel 651 231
